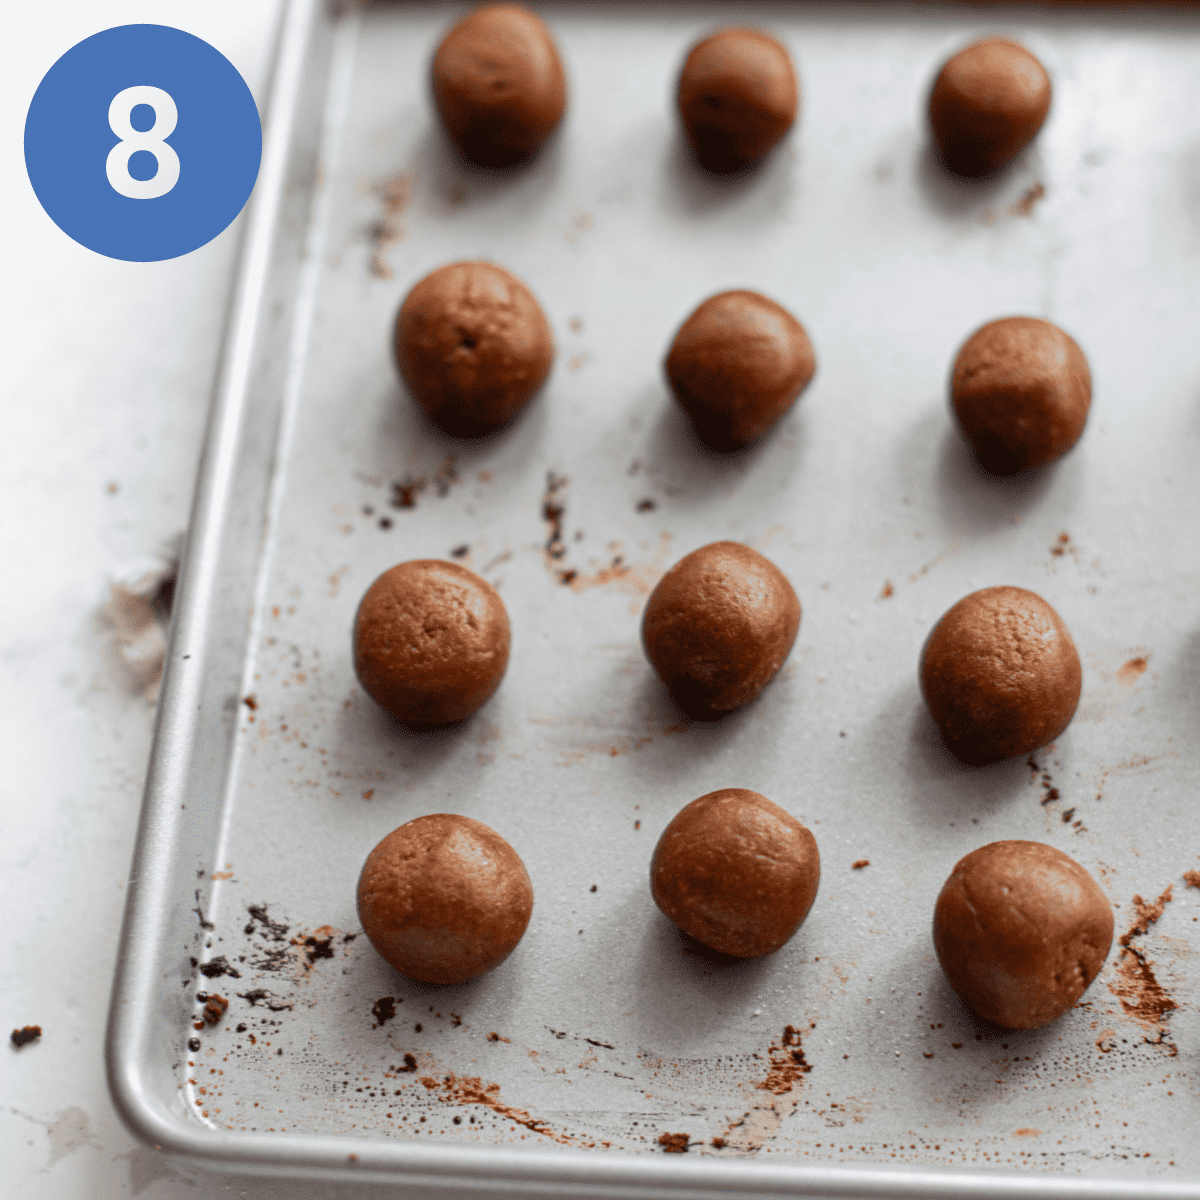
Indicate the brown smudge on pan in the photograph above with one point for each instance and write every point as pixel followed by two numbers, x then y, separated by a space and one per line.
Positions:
pixel 887 591
pixel 1132 671
pixel 454 1089
pixel 405 493
pixel 394 196
pixel 1142 997
pixel 634 579
pixel 787 1063
pixel 554 509
pixel 446 476
pixel 1024 207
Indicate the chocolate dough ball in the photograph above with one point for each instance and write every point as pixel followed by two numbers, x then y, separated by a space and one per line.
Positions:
pixel 1000 675
pixel 499 85
pixel 736 872
pixel 738 96
pixel 444 898
pixel 473 346
pixel 988 103
pixel 430 642
pixel 1021 930
pixel 1021 390
pixel 718 626
pixel 737 364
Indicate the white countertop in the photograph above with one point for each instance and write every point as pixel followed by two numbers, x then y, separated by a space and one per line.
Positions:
pixel 108 368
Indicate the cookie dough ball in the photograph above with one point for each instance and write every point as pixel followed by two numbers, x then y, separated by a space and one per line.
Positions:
pixel 736 872
pixel 988 103
pixel 1021 390
pixel 718 626
pixel 499 85
pixel 738 96
pixel 737 364
pixel 444 898
pixel 1021 930
pixel 473 346
pixel 1000 675
pixel 430 642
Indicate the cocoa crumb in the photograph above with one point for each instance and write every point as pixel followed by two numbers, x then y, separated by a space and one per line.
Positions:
pixel 553 511
pixel 719 1143
pixel 888 591
pixel 261 995
pixel 25 1035
pixel 460 551
pixel 673 1143
pixel 218 966
pixel 646 505
pixel 410 1065
pixel 250 702
pixel 315 947
pixel 859 863
pixel 1192 878
pixel 495 1037
pixel 405 493
pixel 383 1010
pixel 214 1010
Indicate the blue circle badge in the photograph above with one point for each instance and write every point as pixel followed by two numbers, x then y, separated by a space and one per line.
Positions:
pixel 142 142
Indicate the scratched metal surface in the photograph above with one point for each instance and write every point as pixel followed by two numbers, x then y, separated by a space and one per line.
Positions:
pixel 603 1031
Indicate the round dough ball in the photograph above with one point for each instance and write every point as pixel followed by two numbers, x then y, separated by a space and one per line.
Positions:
pixel 737 364
pixel 499 85
pixel 987 105
pixel 1000 674
pixel 473 346
pixel 430 642
pixel 738 96
pixel 1021 930
pixel 736 872
pixel 444 898
pixel 1021 390
pixel 718 626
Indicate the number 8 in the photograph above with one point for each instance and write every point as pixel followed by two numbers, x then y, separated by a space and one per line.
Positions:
pixel 166 117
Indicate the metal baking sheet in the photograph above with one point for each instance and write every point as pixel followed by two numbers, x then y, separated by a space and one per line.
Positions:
pixel 273 775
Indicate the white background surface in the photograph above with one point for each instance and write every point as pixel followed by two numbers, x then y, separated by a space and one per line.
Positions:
pixel 107 372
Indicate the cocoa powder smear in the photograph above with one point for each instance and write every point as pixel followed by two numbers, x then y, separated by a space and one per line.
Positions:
pixel 1141 995
pixel 787 1063
pixel 472 1090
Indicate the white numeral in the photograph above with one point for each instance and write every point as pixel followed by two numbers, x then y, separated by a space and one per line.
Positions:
pixel 166 117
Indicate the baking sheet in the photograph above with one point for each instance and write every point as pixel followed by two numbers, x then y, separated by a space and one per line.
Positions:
pixel 604 1031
